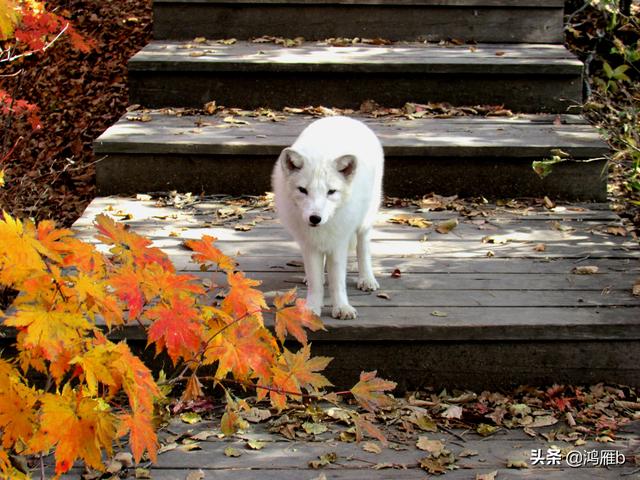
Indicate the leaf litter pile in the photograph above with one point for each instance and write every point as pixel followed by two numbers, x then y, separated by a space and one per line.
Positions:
pixel 557 415
pixel 51 173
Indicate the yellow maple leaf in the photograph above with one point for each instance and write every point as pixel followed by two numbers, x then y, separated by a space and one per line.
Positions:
pixel 8 18
pixel 52 331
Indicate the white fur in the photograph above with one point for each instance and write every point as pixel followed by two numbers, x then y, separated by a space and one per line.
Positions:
pixel 341 154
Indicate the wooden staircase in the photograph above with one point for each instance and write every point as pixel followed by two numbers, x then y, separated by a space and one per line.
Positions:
pixel 498 52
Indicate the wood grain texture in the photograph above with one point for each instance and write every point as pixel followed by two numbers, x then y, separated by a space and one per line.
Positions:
pixel 535 22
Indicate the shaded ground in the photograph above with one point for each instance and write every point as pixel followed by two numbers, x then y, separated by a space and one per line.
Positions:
pixel 51 174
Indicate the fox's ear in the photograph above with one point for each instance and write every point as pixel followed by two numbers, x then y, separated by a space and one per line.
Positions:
pixel 346 165
pixel 290 160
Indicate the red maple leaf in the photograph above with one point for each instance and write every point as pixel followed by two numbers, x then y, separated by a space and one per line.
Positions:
pixel 175 328
pixel 369 391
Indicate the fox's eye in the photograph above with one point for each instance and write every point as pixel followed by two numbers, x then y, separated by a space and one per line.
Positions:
pixel 331 192
pixel 303 190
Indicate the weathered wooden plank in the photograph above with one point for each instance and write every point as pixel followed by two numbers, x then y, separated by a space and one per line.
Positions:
pixel 594 286
pixel 412 264
pixel 525 78
pixel 242 473
pixel 405 58
pixel 397 20
pixel 516 137
pixel 205 209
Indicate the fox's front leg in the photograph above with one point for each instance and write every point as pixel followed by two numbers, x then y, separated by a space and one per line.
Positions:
pixel 337 272
pixel 314 271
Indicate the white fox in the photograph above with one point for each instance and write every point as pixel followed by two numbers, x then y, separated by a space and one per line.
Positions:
pixel 328 188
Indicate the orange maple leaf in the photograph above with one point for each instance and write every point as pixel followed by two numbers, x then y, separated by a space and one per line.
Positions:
pixel 142 434
pixel 246 349
pixel 292 319
pixel 206 252
pixel 135 378
pixel 242 299
pixel 129 246
pixel 78 427
pixel 369 391
pixel 296 371
pixel 17 401
pixel 176 328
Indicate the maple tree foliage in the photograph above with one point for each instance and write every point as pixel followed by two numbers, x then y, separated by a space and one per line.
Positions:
pixel 68 288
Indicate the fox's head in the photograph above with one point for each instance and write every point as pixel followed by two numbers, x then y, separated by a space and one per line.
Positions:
pixel 317 188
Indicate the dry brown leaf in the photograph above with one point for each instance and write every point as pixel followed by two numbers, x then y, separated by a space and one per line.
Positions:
pixel 636 288
pixel 486 476
pixel 384 295
pixel 371 447
pixel 585 270
pixel 396 273
pixel 196 475
pixel 540 247
pixel 617 230
pixel 452 411
pixel 431 446
pixel 447 226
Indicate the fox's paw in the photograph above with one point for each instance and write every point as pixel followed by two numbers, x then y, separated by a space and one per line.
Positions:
pixel 344 312
pixel 368 284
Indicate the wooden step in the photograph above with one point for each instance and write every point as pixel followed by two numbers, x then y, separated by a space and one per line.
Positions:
pixel 520 316
pixel 531 21
pixel 524 77
pixel 463 155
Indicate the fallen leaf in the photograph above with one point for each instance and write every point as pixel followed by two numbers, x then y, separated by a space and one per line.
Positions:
pixel 257 415
pixel 468 453
pixel 191 418
pixel 232 452
pixel 431 446
pixel 585 270
pixel 485 430
pixel 417 222
pixel 619 231
pixel 383 295
pixel 114 466
pixel 548 203
pixel 143 473
pixel 313 428
pixel 486 476
pixel 190 447
pixel 371 447
pixel 234 121
pixel 197 475
pixel 256 444
pixel 447 226
pixel 203 435
pixel 540 247
pixel 636 288
pixel 438 313
pixel 543 421
pixel 242 227
pixel 514 463
pixel 396 273
pixel 125 458
pixel 433 466
pixel 452 411
pixel 324 460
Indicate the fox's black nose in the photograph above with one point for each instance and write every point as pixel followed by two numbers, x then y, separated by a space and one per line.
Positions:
pixel 315 219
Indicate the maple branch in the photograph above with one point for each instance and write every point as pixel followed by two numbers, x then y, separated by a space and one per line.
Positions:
pixel 180 376
pixel 28 53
